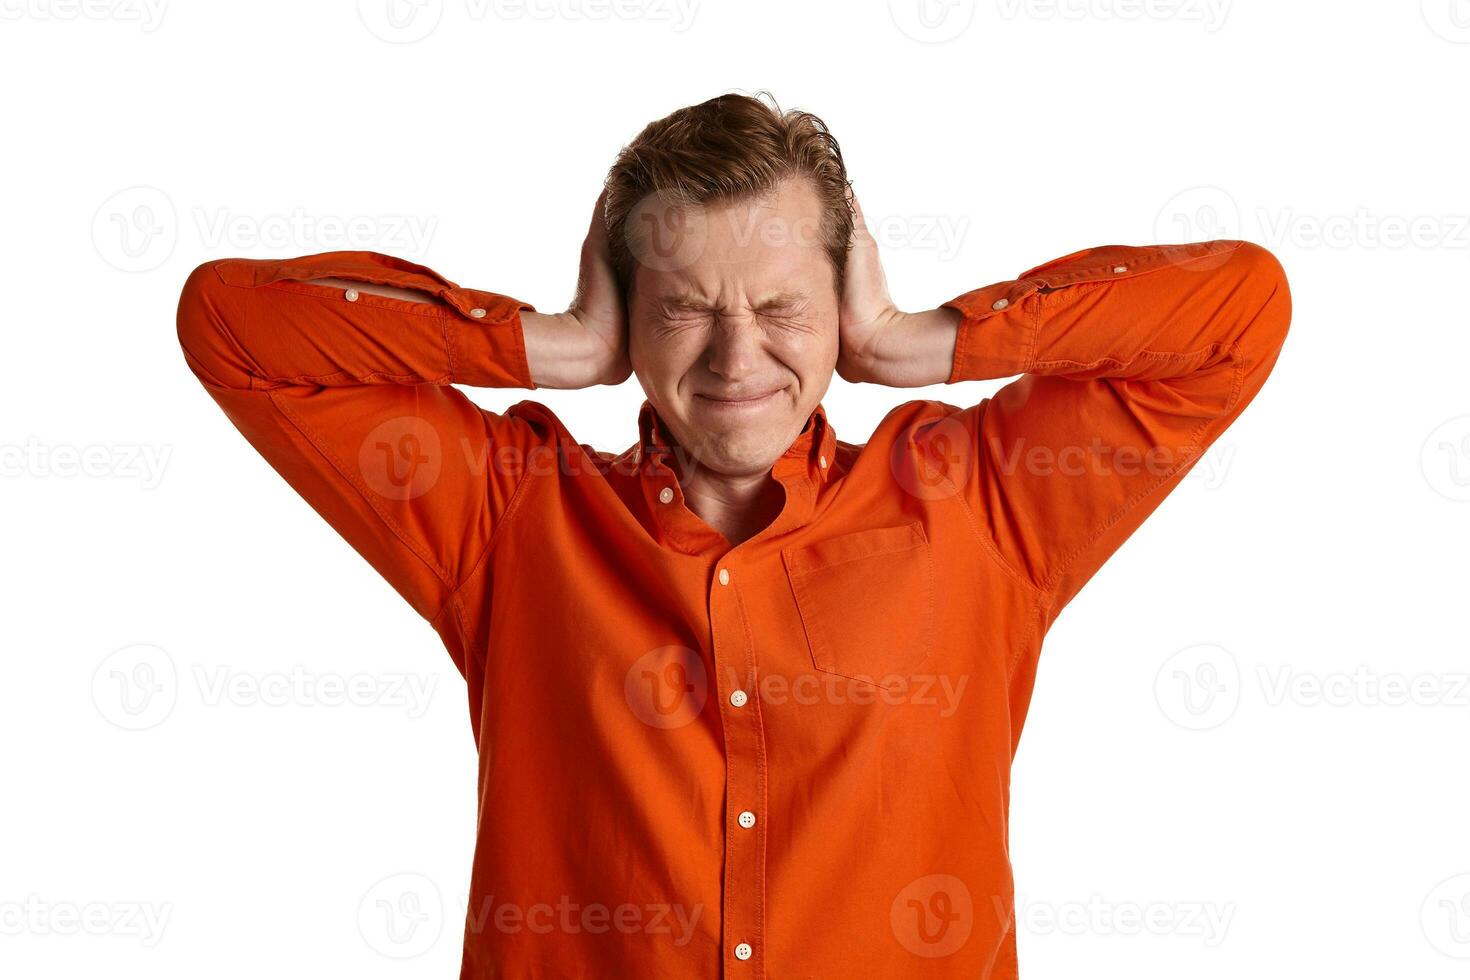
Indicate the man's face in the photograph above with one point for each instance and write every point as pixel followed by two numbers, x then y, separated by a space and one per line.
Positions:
pixel 733 323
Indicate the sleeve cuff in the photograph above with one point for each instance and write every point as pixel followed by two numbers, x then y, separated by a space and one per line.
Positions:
pixel 997 334
pixel 488 341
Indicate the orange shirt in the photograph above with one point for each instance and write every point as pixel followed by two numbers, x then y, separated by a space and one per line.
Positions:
pixel 785 759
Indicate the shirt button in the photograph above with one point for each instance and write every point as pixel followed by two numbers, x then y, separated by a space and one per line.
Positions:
pixel 666 494
pixel 1120 269
pixel 822 461
pixel 747 819
pixel 738 698
pixel 477 312
pixel 351 295
pixel 743 951
pixel 724 576
pixel 1000 304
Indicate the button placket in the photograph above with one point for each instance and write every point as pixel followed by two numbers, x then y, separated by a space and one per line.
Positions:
pixel 744 892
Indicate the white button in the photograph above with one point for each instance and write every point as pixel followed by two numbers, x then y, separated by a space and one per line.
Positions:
pixel 822 460
pixel 477 313
pixel 738 698
pixel 747 819
pixel 724 576
pixel 1120 269
pixel 351 295
pixel 743 951
pixel 666 494
pixel 1000 304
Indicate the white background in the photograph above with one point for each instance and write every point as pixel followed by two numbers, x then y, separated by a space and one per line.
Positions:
pixel 1246 753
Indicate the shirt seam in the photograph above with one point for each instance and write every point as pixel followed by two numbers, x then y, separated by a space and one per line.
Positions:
pixel 436 310
pixel 342 471
pixel 1190 453
pixel 512 507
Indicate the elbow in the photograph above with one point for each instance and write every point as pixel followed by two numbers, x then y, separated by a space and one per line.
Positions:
pixel 1264 295
pixel 204 334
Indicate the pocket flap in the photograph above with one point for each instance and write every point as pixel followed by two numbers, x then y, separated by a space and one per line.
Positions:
pixel 854 544
pixel 866 600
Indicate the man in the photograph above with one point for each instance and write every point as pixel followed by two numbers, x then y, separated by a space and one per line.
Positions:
pixel 745 695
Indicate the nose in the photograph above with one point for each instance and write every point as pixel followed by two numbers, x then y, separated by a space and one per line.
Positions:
pixel 734 348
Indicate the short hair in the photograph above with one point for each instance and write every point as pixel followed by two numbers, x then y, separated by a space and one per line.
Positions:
pixel 729 149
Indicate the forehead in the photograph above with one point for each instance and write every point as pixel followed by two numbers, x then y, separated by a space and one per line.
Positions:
pixel 747 250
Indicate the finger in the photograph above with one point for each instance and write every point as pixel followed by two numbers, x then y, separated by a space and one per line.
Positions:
pixel 860 234
pixel 597 231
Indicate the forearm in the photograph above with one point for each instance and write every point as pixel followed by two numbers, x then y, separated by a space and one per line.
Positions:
pixel 559 351
pixel 564 354
pixel 910 350
pixel 344 319
pixel 1153 313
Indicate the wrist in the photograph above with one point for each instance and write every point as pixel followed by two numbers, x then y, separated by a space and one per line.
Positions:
pixel 566 352
pixel 910 350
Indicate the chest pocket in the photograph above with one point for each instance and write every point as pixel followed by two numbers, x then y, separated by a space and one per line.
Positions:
pixel 866 600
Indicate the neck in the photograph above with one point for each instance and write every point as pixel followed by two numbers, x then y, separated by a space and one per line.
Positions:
pixel 739 507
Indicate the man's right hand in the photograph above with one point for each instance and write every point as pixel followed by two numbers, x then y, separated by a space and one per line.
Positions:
pixel 588 344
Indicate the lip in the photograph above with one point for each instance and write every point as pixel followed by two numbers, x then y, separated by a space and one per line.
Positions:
pixel 739 403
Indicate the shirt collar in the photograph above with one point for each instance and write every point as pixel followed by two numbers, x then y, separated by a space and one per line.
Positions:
pixel 815 444
pixel 803 469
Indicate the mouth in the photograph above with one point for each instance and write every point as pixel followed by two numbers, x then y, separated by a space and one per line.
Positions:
pixel 742 403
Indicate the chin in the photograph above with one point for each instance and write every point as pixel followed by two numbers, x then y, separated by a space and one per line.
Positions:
pixel 740 452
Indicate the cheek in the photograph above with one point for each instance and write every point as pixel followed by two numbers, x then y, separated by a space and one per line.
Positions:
pixel 808 352
pixel 660 354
